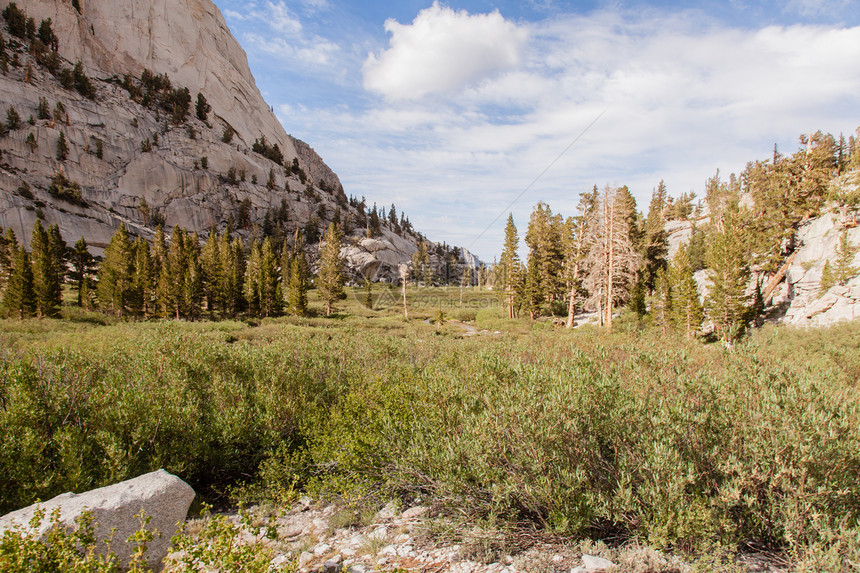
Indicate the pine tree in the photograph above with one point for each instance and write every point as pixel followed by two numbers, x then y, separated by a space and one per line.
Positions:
pixel 116 273
pixel 654 241
pixel 661 301
pixel 62 147
pixel 82 267
pixel 175 274
pixel 636 303
pixel 331 279
pixel 295 276
pixel 161 275
pixel 8 253
pixel 686 310
pixel 203 108
pixel 729 272
pixel 210 263
pixel 533 292
pixel 58 252
pixel 844 270
pixel 544 239
pixel 298 298
pixel 271 296
pixel 143 283
pixel 233 266
pixel 827 278
pixel 45 273
pixel 251 282
pixel 20 297
pixel 420 262
pixel 510 266
pixel 192 276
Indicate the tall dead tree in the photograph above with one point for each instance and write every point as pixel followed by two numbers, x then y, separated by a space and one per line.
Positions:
pixel 612 260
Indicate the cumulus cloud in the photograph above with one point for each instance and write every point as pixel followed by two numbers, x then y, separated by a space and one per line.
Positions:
pixel 442 50
pixel 682 97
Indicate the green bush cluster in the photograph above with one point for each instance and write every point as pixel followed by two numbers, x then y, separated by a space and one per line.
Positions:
pixel 582 433
pixel 75 420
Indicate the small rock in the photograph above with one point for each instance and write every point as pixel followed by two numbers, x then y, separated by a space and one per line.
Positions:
pixel 305 558
pixel 357 569
pixel 557 558
pixel 290 533
pixel 388 550
pixel 388 512
pixel 279 561
pixel 414 512
pixel 402 538
pixel 382 561
pixel 591 564
pixel 348 552
pixel 405 551
pixel 322 549
pixel 380 532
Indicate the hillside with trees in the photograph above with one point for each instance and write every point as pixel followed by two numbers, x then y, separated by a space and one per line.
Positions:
pixel 742 237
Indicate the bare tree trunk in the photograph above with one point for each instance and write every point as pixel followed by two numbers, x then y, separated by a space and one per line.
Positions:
pixel 610 258
pixel 404 273
pixel 571 306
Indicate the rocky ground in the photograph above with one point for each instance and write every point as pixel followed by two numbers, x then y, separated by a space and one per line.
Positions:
pixel 330 538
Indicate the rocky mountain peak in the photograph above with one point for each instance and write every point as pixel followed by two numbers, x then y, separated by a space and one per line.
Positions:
pixel 186 40
pixel 111 130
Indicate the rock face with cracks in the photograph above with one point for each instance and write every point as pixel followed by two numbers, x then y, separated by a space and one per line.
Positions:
pixel 162 496
pixel 806 303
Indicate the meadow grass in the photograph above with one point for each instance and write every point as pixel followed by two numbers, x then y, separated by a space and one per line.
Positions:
pixel 629 435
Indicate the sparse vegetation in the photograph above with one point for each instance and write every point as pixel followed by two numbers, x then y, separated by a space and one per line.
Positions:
pixel 62 147
pixel 63 188
pixel 13 120
pixel 272 152
pixel 155 91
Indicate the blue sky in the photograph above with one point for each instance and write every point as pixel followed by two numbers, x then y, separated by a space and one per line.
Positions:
pixel 462 111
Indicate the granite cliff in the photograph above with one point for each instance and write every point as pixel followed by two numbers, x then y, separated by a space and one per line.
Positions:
pixel 113 87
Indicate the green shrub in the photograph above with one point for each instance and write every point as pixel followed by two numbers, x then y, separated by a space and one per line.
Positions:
pixel 62 550
pixel 575 432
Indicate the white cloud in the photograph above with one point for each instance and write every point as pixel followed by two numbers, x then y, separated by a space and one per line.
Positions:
pixel 277 32
pixel 682 99
pixel 442 50
pixel 317 52
pixel 281 20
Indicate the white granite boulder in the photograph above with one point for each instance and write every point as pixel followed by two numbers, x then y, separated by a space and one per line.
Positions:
pixel 160 495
